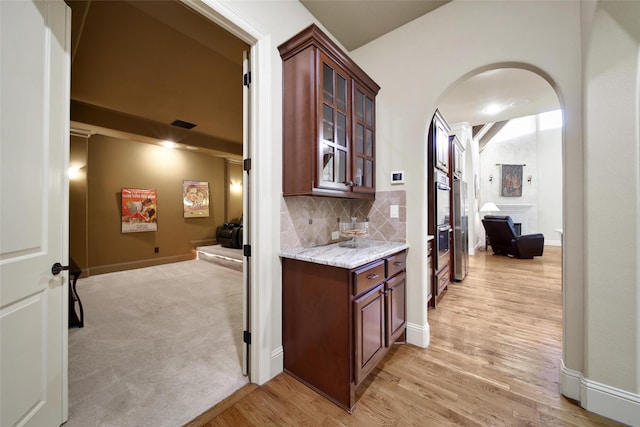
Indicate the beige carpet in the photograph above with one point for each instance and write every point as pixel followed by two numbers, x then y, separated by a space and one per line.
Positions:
pixel 160 345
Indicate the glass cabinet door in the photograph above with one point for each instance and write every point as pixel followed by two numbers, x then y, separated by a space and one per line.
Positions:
pixel 334 131
pixel 364 144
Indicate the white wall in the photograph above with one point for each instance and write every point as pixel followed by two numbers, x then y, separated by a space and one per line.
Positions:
pixel 415 65
pixel 541 152
pixel 418 62
pixel 612 197
pixel 549 184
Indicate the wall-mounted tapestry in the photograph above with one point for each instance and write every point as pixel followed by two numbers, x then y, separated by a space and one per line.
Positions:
pixel 195 199
pixel 511 181
pixel 139 210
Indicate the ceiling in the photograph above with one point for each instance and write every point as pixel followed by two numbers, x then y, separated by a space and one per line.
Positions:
pixel 139 65
pixel 357 22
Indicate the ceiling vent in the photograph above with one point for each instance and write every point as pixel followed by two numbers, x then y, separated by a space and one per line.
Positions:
pixel 183 124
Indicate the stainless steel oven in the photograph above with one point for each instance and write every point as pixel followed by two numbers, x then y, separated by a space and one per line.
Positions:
pixel 442 217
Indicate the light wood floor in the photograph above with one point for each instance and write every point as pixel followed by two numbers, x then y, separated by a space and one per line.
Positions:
pixel 496 343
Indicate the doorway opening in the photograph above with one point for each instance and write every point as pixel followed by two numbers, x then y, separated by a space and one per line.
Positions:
pixel 125 97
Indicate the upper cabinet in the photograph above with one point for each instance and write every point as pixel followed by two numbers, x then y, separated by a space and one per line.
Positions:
pixel 440 137
pixel 457 156
pixel 328 120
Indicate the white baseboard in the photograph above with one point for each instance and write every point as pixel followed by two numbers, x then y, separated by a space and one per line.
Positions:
pixel 548 242
pixel 610 402
pixel 418 335
pixel 277 361
pixel 570 382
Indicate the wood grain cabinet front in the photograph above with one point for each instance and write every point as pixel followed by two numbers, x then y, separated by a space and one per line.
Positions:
pixel 339 323
pixel 328 120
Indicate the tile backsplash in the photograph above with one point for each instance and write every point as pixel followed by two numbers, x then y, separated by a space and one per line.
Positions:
pixel 308 221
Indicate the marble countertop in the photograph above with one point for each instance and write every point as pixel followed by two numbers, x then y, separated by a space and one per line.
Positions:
pixel 337 255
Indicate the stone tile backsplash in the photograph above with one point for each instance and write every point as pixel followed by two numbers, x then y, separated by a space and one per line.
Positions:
pixel 308 221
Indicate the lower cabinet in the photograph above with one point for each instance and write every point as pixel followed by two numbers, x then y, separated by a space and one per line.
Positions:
pixel 339 323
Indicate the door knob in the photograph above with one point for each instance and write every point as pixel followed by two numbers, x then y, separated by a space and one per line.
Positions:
pixel 57 268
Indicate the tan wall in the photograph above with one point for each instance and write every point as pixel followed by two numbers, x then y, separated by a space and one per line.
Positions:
pixel 116 163
pixel 78 202
pixel 234 201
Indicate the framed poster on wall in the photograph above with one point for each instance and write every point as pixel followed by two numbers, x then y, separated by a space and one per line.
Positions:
pixel 139 210
pixel 195 199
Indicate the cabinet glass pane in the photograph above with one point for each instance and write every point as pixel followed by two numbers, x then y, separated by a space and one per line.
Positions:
pixel 327 83
pixel 359 106
pixel 327 123
pixel 369 111
pixel 341 165
pixel 359 168
pixel 359 138
pixel 327 162
pixel 368 173
pixel 368 142
pixel 341 96
pixel 342 129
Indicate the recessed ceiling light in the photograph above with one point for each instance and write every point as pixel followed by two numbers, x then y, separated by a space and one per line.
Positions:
pixel 493 109
pixel 169 144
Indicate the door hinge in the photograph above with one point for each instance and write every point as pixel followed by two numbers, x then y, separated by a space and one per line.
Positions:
pixel 246 79
pixel 246 164
pixel 246 337
pixel 247 250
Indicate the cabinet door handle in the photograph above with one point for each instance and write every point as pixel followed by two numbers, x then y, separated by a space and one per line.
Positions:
pixel 373 276
pixel 398 263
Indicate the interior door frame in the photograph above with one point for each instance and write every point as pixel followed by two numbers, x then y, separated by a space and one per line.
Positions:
pixel 254 364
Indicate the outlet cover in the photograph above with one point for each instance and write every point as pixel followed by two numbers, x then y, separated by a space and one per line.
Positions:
pixel 335 235
pixel 394 212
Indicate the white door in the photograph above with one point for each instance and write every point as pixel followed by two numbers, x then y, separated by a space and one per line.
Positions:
pixel 34 151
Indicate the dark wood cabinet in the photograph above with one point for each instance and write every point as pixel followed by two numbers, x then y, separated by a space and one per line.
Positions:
pixel 440 226
pixel 369 331
pixel 440 134
pixel 338 323
pixel 328 120
pixel 457 156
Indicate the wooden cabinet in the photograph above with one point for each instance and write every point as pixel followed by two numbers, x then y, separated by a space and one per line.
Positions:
pixel 328 120
pixel 457 156
pixel 440 142
pixel 339 323
pixel 430 294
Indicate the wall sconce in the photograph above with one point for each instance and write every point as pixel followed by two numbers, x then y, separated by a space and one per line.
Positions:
pixel 74 171
pixel 236 187
pixel 529 178
pixel 490 178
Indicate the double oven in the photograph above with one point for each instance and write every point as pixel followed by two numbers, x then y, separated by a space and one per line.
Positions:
pixel 443 223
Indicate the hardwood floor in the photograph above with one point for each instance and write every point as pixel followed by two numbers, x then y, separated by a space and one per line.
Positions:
pixel 496 343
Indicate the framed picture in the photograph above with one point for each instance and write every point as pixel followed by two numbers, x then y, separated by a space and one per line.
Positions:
pixel 195 199
pixel 139 210
pixel 511 185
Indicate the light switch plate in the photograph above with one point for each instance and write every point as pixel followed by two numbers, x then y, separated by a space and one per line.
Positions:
pixel 394 212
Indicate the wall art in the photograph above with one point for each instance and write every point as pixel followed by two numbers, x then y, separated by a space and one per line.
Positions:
pixel 195 199
pixel 139 210
pixel 511 181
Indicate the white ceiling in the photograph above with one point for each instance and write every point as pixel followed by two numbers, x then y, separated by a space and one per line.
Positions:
pixel 157 61
pixel 357 22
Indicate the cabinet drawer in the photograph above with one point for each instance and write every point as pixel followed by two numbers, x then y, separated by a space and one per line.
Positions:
pixel 396 263
pixel 368 277
pixel 443 280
